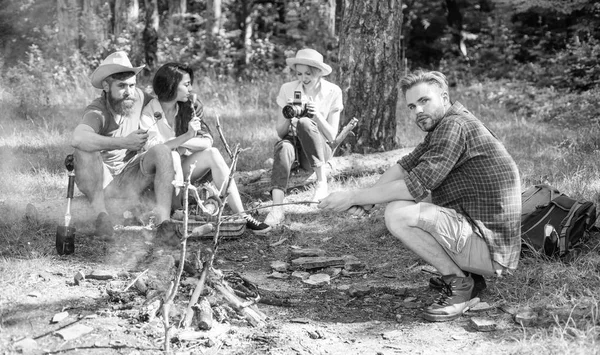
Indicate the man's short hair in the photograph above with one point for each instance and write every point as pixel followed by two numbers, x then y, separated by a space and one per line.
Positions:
pixel 422 76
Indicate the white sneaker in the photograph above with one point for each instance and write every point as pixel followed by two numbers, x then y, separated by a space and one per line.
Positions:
pixel 321 191
pixel 275 217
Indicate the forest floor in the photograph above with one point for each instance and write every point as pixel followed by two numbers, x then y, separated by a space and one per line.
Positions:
pixel 373 310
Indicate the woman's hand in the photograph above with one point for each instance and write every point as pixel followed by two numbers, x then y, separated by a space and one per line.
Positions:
pixel 313 113
pixel 194 126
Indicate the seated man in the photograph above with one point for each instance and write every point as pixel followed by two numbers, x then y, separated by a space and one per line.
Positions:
pixel 472 225
pixel 107 144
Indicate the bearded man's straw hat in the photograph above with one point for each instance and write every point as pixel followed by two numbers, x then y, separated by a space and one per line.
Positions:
pixel 115 63
pixel 311 58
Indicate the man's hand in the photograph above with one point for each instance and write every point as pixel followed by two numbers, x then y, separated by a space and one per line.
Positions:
pixel 135 140
pixel 337 201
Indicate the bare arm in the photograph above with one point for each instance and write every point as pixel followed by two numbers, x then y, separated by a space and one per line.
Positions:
pixel 86 139
pixel 379 193
pixel 329 125
pixel 283 125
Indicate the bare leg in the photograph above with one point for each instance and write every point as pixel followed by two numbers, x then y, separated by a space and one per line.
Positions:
pixel 211 160
pixel 158 160
pixel 89 176
pixel 401 219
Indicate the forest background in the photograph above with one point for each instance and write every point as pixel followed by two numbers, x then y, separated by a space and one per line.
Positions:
pixel 528 69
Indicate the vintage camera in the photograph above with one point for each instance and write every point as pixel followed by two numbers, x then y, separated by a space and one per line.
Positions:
pixel 296 108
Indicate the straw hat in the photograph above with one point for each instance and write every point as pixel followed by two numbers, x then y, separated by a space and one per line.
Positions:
pixel 309 57
pixel 115 63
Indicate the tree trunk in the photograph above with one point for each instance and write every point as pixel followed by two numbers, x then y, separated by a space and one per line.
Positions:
pixel 94 24
pixel 213 25
pixel 330 16
pixel 68 25
pixel 370 68
pixel 126 14
pixel 177 8
pixel 246 21
pixel 150 35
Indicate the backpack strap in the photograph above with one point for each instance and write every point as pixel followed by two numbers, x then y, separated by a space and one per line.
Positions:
pixel 566 223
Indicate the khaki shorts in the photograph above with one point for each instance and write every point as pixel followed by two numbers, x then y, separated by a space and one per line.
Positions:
pixel 454 233
pixel 133 179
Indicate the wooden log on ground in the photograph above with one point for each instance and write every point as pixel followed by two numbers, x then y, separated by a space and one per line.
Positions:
pixel 258 181
pixel 252 314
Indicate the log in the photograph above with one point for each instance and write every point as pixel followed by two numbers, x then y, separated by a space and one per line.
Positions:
pixel 257 182
pixel 317 262
pixel 204 314
pixel 252 314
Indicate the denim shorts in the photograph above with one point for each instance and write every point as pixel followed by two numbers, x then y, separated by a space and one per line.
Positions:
pixel 455 234
pixel 132 179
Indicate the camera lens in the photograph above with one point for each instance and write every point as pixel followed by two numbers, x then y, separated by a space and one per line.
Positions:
pixel 291 111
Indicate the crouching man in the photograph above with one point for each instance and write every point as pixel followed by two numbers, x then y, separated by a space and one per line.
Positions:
pixel 108 140
pixel 471 228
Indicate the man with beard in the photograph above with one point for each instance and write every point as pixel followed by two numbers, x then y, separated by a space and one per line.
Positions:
pixel 471 226
pixel 108 141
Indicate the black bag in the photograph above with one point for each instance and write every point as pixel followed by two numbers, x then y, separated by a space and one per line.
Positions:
pixel 553 223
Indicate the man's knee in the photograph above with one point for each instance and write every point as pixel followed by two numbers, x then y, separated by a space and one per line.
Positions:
pixel 159 156
pixel 401 214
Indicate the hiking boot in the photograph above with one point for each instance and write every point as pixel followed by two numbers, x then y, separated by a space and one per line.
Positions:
pixel 168 233
pixel 455 299
pixel 103 225
pixel 436 283
pixel 256 226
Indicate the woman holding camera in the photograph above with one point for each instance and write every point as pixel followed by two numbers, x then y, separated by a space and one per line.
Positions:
pixel 172 120
pixel 309 122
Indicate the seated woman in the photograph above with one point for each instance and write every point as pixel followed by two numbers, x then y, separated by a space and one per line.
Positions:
pixel 171 120
pixel 306 129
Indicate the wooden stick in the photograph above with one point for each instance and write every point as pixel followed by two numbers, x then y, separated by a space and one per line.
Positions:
pixel 343 134
pixel 222 136
pixel 189 312
pixel 134 280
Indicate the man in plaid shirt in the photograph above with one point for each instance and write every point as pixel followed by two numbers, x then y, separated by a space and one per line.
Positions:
pixel 471 228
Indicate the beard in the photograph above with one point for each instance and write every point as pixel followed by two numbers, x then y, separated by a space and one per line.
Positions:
pixel 427 123
pixel 122 106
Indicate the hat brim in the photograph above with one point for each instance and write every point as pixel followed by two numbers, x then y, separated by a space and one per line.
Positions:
pixel 104 71
pixel 325 69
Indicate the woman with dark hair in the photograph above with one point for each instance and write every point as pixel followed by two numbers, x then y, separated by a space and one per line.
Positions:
pixel 172 120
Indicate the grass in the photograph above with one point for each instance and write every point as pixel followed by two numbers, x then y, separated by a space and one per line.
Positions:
pixel 34 142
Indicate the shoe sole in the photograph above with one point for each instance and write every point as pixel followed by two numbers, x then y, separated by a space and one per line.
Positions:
pixel 448 317
pixel 260 231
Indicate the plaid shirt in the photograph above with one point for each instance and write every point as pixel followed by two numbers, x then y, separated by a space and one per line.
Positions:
pixel 466 168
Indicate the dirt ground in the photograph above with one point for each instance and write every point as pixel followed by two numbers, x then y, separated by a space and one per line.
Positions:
pixel 373 310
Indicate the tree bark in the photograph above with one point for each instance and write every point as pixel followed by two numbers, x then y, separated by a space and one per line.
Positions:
pixel 68 25
pixel 177 8
pixel 370 68
pixel 126 14
pixel 150 35
pixel 213 25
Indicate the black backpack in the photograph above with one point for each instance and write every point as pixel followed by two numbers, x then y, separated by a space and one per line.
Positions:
pixel 552 223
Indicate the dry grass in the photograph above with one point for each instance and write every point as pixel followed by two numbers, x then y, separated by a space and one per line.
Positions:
pixel 565 295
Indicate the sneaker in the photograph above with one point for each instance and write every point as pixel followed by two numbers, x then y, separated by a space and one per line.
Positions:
pixel 256 226
pixel 436 283
pixel 321 191
pixel 455 299
pixel 275 217
pixel 104 225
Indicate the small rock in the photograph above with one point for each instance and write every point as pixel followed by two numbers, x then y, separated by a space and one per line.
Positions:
pixel 481 307
pixel 508 309
pixel 299 253
pixel 35 294
pixel 354 265
pixel 268 163
pixel 389 275
pixel 482 324
pixel 387 296
pixel 359 291
pixel 278 275
pixel 74 331
pixel 343 287
pixel 279 266
pixel 140 285
pixel 101 275
pixel 398 318
pixel 316 334
pixel 59 316
pixel 26 345
pixel 333 271
pixel 318 279
pixel 410 299
pixel 78 277
pixel 393 335
pixel 302 275
pixel 91 316
pixel 526 318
